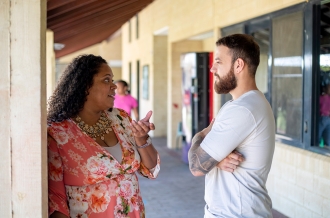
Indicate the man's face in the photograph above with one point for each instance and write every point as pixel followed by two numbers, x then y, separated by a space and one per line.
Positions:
pixel 223 70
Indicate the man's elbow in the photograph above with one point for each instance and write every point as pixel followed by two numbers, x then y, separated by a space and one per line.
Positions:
pixel 196 172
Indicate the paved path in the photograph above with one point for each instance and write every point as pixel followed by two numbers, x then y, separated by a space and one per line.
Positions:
pixel 176 193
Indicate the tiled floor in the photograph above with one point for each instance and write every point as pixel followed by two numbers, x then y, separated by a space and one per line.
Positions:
pixel 175 193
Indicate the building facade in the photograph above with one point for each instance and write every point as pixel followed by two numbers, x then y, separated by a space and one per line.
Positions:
pixel 294 70
pixel 294 39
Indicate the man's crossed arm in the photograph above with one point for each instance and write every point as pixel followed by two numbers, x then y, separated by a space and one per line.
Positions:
pixel 200 162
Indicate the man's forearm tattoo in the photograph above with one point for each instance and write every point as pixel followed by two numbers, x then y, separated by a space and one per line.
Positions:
pixel 200 162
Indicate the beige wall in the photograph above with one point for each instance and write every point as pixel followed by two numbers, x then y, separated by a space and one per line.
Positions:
pixel 94 49
pixel 299 182
pixel 50 58
pixel 109 49
pixel 140 49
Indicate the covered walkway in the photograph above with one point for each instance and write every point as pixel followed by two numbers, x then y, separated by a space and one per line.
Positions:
pixel 176 193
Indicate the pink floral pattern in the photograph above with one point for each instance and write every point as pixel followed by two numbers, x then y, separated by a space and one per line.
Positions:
pixel 87 181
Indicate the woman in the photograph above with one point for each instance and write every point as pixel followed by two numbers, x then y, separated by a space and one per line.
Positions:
pixel 93 154
pixel 124 100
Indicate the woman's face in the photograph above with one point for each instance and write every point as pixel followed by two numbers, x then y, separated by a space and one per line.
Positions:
pixel 101 94
pixel 121 89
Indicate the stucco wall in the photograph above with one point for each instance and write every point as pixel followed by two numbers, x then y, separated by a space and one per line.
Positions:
pixel 109 49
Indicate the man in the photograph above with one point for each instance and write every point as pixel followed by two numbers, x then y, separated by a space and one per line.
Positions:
pixel 246 125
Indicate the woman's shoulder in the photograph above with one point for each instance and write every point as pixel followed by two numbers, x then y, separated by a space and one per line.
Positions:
pixel 117 113
pixel 62 125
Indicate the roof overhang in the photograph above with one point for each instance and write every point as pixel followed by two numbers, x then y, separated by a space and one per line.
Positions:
pixel 78 24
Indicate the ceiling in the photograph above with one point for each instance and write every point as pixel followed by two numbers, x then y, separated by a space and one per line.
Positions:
pixel 81 23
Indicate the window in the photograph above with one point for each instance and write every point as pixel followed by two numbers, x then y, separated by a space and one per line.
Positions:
pixel 294 70
pixel 322 84
pixel 137 26
pixel 287 75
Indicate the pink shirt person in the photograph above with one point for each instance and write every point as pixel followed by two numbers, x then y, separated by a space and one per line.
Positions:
pixel 324 122
pixel 325 105
pixel 124 100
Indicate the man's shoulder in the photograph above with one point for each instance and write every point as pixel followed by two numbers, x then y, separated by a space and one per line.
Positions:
pixel 253 101
pixel 236 109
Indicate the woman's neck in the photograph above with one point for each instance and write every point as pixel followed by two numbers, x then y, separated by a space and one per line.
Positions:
pixel 90 117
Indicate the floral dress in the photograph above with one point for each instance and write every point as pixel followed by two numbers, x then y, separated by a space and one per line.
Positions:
pixel 85 180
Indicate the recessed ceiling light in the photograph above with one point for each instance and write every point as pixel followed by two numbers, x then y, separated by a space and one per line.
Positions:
pixel 58 46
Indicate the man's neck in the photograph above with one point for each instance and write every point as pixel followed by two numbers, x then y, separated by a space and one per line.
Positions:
pixel 242 89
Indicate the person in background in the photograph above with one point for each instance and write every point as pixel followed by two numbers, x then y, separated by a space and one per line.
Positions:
pixel 94 152
pixel 324 123
pixel 124 100
pixel 246 125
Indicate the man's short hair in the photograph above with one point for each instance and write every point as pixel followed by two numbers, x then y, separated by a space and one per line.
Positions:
pixel 243 46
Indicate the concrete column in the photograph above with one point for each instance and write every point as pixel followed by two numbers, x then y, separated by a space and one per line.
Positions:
pixel 50 55
pixel 23 156
pixel 5 154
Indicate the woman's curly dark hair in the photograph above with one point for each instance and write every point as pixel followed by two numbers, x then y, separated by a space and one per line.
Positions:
pixel 71 92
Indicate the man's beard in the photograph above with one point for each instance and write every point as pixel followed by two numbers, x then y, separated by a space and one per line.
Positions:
pixel 227 83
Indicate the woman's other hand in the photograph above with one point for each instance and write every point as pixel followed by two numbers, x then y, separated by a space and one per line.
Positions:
pixel 231 162
pixel 142 127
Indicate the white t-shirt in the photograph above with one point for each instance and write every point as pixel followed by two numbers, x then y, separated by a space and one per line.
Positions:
pixel 247 125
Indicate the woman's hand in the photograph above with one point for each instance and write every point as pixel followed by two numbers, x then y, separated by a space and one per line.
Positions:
pixel 142 127
pixel 231 162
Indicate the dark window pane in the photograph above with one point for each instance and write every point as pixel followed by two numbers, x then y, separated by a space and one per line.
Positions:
pixel 262 38
pixel 287 75
pixel 323 136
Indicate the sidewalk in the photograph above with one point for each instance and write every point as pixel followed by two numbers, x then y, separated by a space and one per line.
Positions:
pixel 176 193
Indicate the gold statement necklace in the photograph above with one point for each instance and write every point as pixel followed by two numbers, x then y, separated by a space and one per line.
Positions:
pixel 99 129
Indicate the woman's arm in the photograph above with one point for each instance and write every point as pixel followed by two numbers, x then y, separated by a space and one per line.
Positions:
pixel 147 152
pixel 145 148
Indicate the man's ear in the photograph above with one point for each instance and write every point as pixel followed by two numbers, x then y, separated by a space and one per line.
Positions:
pixel 239 65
